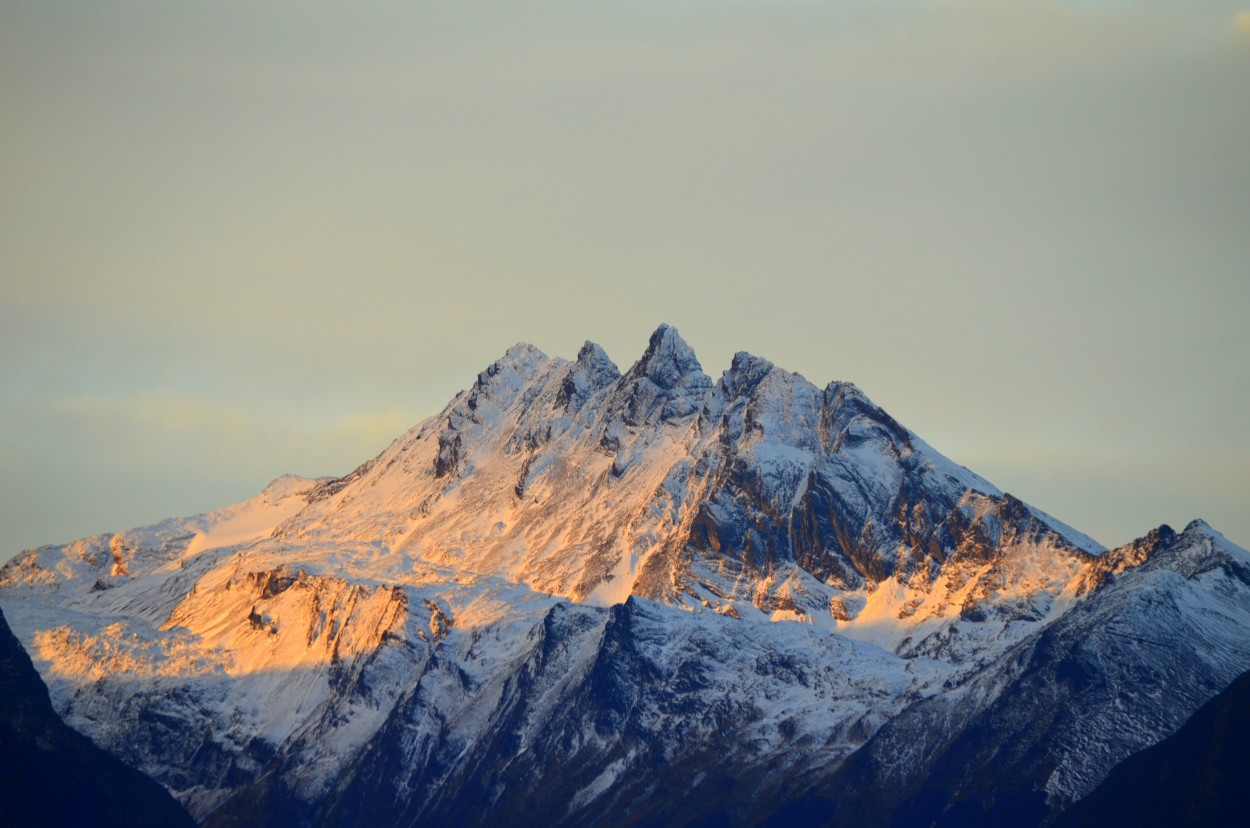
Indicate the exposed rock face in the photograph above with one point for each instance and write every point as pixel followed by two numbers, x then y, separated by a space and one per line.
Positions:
pixel 54 776
pixel 555 599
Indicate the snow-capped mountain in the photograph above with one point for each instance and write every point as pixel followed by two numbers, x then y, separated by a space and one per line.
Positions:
pixel 577 594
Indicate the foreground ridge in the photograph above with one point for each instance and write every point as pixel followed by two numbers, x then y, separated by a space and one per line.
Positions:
pixel 54 776
pixel 556 598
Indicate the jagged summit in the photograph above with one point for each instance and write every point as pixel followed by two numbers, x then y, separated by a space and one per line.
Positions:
pixel 520 364
pixel 590 372
pixel 745 372
pixel 667 383
pixel 592 356
pixel 669 361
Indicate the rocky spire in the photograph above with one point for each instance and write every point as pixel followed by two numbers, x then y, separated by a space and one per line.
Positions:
pixel 669 362
pixel 667 381
pixel 745 373
pixel 591 371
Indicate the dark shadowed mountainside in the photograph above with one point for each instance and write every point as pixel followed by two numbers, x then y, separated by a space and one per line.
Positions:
pixel 54 776
pixel 1197 777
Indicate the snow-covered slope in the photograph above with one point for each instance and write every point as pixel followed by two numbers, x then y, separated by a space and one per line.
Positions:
pixel 1165 629
pixel 449 623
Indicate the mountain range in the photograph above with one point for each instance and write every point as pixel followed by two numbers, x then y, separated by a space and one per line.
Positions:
pixel 578 596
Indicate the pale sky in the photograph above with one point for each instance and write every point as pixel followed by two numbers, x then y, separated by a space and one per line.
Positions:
pixel 239 239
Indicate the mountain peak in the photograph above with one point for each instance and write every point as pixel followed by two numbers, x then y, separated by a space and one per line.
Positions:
pixel 522 354
pixel 745 372
pixel 669 361
pixel 593 355
pixel 1200 528
pixel 667 380
pixel 1199 525
pixel 592 370
pixel 519 364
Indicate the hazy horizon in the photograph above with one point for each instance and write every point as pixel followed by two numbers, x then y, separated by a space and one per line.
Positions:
pixel 253 239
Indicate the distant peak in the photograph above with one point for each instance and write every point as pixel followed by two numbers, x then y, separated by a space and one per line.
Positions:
pixel 592 355
pixel 291 484
pixel 745 372
pixel 839 393
pixel 523 352
pixel 1201 527
pixel 503 380
pixel 667 382
pixel 744 361
pixel 669 362
pixel 591 371
pixel 666 336
pixel 523 358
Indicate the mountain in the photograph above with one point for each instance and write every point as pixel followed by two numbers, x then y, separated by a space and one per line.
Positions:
pixel 1195 777
pixel 581 596
pixel 53 776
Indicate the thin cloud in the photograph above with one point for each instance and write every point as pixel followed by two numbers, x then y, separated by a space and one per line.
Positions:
pixel 231 233
pixel 231 433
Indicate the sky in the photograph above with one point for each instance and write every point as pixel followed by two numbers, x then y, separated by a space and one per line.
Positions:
pixel 243 239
